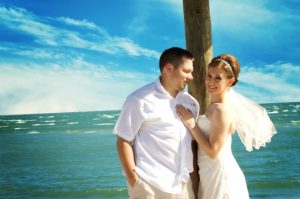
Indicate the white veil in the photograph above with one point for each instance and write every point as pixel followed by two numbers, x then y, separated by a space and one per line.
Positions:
pixel 253 124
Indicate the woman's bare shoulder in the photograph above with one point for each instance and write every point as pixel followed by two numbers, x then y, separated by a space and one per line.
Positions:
pixel 221 110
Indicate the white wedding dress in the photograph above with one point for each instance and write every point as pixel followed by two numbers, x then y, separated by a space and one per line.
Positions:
pixel 221 177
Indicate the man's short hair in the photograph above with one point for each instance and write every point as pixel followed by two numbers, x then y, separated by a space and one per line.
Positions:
pixel 174 56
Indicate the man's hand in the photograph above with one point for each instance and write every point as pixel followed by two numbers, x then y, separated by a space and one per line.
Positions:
pixel 186 116
pixel 132 179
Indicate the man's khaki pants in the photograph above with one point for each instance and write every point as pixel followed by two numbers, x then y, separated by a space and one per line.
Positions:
pixel 143 190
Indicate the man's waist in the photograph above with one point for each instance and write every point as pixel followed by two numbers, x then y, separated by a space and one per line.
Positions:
pixel 165 180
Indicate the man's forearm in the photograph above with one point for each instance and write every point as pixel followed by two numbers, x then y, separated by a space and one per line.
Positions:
pixel 126 156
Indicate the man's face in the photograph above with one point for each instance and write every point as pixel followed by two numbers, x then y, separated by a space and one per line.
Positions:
pixel 182 74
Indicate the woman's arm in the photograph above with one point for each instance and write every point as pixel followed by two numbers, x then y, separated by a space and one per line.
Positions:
pixel 218 131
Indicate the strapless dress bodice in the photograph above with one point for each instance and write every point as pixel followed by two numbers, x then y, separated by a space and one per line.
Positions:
pixel 220 177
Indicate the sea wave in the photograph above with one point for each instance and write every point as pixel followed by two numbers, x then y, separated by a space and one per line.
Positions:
pixel 295 121
pixel 97 118
pixel 20 128
pixel 71 123
pixel 49 124
pixel 107 116
pixel 297 106
pixel 105 124
pixel 89 132
pixel 49 121
pixel 33 132
pixel 272 112
pixel 50 116
pixel 20 122
pixel 17 121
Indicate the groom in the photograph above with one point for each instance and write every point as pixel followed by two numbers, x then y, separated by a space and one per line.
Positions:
pixel 154 146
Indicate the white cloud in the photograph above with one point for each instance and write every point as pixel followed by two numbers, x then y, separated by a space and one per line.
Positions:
pixel 83 86
pixel 81 23
pixel 49 79
pixel 133 49
pixel 235 15
pixel 247 18
pixel 260 24
pixel 39 54
pixel 21 20
pixel 79 86
pixel 74 84
pixel 271 83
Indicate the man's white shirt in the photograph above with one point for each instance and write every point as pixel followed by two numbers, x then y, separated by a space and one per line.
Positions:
pixel 162 144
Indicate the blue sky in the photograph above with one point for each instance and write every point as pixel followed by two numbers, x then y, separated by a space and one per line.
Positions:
pixel 64 56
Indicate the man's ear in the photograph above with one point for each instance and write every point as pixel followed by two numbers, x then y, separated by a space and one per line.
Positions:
pixel 169 67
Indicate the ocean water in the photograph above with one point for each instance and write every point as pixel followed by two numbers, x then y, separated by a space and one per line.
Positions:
pixel 73 155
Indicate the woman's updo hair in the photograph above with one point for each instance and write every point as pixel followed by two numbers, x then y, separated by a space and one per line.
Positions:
pixel 229 63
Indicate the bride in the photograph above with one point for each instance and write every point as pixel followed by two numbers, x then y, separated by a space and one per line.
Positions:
pixel 220 175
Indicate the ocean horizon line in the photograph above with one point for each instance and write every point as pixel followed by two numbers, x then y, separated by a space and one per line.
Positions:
pixel 111 110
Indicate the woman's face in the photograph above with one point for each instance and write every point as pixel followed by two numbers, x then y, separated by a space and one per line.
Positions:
pixel 217 81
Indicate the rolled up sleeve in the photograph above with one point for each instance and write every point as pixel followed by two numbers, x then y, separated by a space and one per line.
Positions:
pixel 130 119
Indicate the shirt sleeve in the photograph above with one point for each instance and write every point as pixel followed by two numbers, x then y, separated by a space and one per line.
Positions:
pixel 130 119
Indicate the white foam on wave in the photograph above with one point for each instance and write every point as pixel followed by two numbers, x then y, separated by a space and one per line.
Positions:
pixel 49 121
pixel 20 128
pixel 297 106
pixel 20 122
pixel 272 112
pixel 50 116
pixel 33 132
pixel 104 124
pixel 295 121
pixel 36 125
pixel 89 132
pixel 3 126
pixel 97 118
pixel 112 189
pixel 285 110
pixel 107 116
pixel 72 123
pixel 48 124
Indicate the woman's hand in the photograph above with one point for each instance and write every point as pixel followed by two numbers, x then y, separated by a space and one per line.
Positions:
pixel 186 116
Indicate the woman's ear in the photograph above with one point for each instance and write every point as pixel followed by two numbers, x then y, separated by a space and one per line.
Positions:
pixel 231 81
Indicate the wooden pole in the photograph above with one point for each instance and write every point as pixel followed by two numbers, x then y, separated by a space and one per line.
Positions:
pixel 199 42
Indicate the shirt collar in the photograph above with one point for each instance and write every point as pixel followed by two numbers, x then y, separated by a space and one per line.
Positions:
pixel 160 88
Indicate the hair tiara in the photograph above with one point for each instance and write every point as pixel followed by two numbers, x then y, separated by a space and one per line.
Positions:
pixel 226 64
